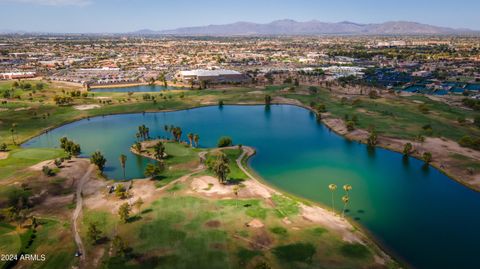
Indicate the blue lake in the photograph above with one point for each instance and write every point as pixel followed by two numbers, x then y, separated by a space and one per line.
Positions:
pixel 418 214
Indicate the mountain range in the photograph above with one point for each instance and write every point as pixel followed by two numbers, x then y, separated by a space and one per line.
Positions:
pixel 313 27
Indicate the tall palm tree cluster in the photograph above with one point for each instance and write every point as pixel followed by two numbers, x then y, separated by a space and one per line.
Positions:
pixel 345 198
pixel 143 132
pixel 193 139
pixel 175 131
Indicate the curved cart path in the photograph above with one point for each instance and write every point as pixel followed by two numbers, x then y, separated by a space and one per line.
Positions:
pixel 78 211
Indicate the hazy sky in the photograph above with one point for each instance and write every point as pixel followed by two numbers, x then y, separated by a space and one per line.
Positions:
pixel 89 16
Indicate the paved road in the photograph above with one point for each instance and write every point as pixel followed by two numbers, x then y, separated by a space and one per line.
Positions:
pixel 78 211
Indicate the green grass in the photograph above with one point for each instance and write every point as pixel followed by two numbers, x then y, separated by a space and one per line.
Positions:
pixel 10 241
pixel 285 206
pixel 180 153
pixel 355 250
pixel 397 117
pixel 236 174
pixel 251 207
pixel 298 252
pixel 245 255
pixel 278 230
pixel 318 231
pixel 53 239
pixel 20 158
pixel 180 160
pixel 465 163
pixel 105 221
pixel 179 231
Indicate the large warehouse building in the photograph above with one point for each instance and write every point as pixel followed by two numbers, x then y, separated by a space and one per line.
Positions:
pixel 213 76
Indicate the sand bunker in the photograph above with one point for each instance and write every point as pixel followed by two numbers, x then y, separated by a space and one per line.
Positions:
pixel 3 155
pixel 86 107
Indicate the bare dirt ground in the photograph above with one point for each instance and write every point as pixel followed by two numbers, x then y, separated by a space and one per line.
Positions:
pixel 283 100
pixel 3 155
pixel 86 107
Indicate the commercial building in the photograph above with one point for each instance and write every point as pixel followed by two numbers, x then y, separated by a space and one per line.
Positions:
pixel 212 76
pixel 17 75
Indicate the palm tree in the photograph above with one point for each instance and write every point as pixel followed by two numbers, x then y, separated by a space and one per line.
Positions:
pixel 138 147
pixel 196 137
pixel 159 150
pixel 123 161
pixel 166 128
pixel 332 188
pixel 345 200
pixel 221 167
pixel 190 139
pixel 235 191
pixel 347 188
pixel 12 131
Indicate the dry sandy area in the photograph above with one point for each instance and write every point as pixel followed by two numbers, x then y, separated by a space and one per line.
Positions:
pixel 86 107
pixel 22 108
pixel 210 187
pixel 283 100
pixel 72 171
pixel 40 165
pixel 3 155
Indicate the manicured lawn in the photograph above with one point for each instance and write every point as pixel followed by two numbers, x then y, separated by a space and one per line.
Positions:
pixel 178 231
pixel 180 160
pixel 236 174
pixel 20 158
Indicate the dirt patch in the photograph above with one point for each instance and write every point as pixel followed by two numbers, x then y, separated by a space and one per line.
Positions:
pixel 22 108
pixel 261 240
pixel 332 222
pixel 3 155
pixel 255 223
pixel 210 186
pixel 86 107
pixel 283 100
pixel 39 166
pixel 213 224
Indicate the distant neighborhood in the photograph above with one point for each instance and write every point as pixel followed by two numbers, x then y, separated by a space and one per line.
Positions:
pixel 437 65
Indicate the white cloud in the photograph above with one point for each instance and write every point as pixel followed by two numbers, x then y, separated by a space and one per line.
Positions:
pixel 51 2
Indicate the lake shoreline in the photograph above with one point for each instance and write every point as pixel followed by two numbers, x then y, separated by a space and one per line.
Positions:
pixel 336 127
pixel 243 162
